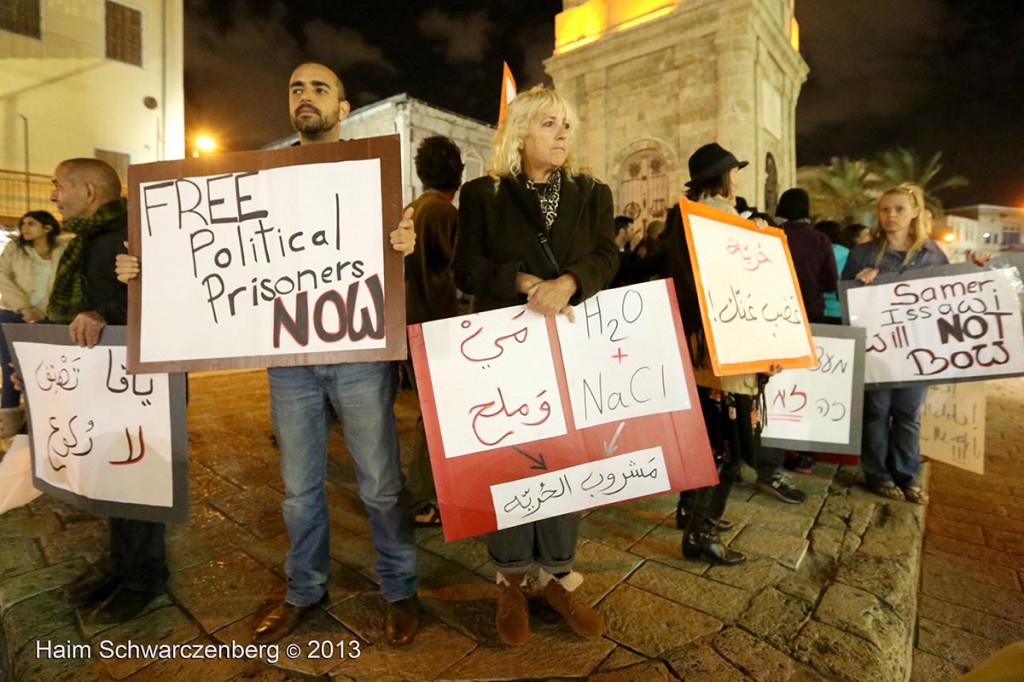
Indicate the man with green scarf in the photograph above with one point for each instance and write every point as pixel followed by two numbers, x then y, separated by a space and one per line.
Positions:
pixel 87 297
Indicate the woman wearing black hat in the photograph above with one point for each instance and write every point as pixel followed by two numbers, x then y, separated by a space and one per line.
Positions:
pixel 731 414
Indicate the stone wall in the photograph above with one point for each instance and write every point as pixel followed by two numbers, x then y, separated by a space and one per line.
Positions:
pixel 708 70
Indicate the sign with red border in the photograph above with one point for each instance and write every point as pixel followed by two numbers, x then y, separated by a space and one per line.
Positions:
pixel 530 417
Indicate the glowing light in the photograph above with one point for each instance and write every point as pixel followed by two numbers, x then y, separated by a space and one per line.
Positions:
pixel 949 237
pixel 205 144
pixel 794 34
pixel 592 19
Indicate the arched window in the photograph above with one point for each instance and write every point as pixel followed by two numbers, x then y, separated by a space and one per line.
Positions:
pixel 643 187
pixel 771 185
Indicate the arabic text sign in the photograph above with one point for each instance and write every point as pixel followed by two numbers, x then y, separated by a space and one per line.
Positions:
pixel 498 379
pixel 618 361
pixel 605 481
pixel 946 324
pixel 953 425
pixel 820 407
pixel 264 265
pixel 748 290
pixel 98 434
pixel 513 399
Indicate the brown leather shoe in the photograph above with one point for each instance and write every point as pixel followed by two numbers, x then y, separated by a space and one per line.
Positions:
pixel 583 620
pixel 402 620
pixel 281 620
pixel 513 620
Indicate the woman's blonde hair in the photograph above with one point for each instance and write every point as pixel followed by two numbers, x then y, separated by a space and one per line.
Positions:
pixel 507 148
pixel 919 227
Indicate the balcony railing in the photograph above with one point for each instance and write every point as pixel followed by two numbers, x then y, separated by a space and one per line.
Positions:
pixel 22 192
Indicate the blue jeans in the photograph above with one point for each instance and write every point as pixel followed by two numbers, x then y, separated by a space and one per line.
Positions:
pixel 891 445
pixel 362 395
pixel 8 396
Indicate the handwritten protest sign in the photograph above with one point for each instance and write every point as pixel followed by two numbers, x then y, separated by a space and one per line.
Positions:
pixel 109 442
pixel 504 410
pixel 749 298
pixel 820 408
pixel 937 325
pixel 530 417
pixel 953 425
pixel 267 258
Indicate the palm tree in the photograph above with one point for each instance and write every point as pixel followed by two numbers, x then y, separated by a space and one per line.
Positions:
pixel 844 190
pixel 899 165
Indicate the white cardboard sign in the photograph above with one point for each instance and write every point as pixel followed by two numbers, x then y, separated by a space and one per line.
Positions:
pixel 952 323
pixel 241 246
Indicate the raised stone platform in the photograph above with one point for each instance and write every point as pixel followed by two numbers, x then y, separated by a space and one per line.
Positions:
pixel 829 592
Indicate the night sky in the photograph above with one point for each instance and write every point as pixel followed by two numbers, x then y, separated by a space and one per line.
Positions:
pixel 931 75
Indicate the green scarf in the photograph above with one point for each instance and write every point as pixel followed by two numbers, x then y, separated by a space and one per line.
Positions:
pixel 69 296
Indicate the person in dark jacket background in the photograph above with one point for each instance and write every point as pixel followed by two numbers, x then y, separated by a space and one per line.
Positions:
pixel 813 259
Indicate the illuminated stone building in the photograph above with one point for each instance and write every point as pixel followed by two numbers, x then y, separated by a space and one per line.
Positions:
pixel 655 79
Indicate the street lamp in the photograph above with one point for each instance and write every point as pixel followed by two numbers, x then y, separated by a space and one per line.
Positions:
pixel 204 144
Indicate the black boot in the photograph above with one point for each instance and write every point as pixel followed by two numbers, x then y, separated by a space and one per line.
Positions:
pixel 704 542
pixel 687 500
pixel 683 518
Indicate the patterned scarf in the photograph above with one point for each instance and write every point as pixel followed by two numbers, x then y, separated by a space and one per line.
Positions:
pixel 69 296
pixel 548 195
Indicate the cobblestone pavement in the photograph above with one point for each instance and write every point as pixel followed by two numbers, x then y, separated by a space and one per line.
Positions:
pixel 970 602
pixel 828 593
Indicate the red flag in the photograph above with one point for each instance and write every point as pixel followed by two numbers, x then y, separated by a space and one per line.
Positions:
pixel 508 90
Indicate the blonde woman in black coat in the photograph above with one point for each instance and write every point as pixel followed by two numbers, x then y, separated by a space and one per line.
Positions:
pixel 535 231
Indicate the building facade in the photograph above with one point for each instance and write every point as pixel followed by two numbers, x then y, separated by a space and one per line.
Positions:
pixel 415 120
pixel 86 78
pixel 653 80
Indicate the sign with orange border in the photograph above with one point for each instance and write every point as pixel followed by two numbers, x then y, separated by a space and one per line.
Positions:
pixel 750 302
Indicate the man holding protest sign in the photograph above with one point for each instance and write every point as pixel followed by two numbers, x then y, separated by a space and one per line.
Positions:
pixel 87 297
pixel 362 395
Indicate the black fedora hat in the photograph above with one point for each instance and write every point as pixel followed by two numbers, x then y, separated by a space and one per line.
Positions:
pixel 711 161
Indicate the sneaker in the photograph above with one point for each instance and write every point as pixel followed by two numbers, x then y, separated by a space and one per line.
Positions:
pixel 779 486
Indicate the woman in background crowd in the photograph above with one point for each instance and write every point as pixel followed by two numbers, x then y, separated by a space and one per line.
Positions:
pixel 890 452
pixel 729 404
pixel 27 268
pixel 536 231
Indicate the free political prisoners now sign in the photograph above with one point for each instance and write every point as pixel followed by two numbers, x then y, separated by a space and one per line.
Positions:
pixel 267 258
pixel 937 325
pixel 750 300
pixel 529 417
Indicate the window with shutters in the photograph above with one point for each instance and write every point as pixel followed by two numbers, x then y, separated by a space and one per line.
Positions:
pixel 124 33
pixel 20 16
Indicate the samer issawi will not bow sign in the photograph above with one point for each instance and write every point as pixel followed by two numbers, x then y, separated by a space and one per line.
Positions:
pixel 937 325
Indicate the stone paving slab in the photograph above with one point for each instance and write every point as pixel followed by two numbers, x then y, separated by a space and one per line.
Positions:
pixel 668 618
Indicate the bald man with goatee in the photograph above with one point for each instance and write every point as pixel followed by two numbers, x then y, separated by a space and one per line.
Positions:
pixel 362 395
pixel 302 400
pixel 87 297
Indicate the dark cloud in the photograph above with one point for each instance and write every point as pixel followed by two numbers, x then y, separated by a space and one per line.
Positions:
pixel 867 58
pixel 465 37
pixel 237 69
pixel 930 75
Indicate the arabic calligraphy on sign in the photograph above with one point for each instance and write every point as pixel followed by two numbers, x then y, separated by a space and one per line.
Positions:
pixel 592 484
pixel 495 377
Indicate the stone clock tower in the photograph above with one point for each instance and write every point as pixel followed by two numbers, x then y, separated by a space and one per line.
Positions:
pixel 652 80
